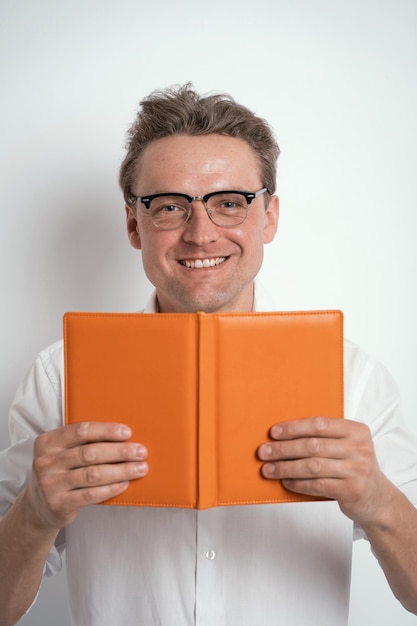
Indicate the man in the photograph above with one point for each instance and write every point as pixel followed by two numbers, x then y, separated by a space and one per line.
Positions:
pixel 199 184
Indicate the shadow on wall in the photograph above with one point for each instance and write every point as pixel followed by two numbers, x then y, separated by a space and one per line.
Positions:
pixel 87 262
pixel 64 250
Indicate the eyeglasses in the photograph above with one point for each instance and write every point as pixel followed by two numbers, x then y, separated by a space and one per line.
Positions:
pixel 172 210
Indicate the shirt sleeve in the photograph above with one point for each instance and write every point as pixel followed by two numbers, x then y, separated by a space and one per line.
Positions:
pixel 37 408
pixel 372 397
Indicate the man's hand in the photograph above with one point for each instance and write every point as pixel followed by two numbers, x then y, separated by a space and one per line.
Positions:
pixel 78 465
pixel 73 466
pixel 335 458
pixel 331 458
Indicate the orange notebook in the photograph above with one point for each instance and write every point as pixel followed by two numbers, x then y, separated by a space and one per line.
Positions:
pixel 201 391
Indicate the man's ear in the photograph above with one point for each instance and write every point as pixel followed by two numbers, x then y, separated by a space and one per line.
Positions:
pixel 271 219
pixel 132 229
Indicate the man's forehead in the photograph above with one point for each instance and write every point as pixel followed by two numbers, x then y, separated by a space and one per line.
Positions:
pixel 207 154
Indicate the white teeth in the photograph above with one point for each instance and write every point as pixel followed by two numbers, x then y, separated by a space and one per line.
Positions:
pixel 199 263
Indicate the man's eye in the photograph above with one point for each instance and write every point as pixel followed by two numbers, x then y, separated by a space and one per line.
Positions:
pixel 165 209
pixel 169 208
pixel 229 204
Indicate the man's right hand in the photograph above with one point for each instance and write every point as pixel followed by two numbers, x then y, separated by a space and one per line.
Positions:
pixel 81 464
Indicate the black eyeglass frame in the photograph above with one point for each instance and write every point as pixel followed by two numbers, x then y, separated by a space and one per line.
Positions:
pixel 249 195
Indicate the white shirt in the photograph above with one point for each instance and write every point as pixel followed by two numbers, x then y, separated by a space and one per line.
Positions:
pixel 282 564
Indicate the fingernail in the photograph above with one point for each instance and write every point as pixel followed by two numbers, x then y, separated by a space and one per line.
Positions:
pixel 140 452
pixel 125 431
pixel 276 431
pixel 268 469
pixel 140 469
pixel 266 450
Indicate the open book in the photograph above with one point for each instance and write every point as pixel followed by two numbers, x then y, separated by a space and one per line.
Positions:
pixel 201 392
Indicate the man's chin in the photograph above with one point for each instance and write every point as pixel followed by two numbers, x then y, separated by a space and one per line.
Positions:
pixel 206 301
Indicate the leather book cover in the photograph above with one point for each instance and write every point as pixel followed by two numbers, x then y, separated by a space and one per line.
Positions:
pixel 201 391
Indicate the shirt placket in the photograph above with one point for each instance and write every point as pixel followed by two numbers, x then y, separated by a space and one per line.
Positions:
pixel 209 588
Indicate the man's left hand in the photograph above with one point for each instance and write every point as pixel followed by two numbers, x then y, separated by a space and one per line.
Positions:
pixel 330 458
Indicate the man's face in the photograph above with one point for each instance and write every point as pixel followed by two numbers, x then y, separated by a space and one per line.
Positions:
pixel 197 166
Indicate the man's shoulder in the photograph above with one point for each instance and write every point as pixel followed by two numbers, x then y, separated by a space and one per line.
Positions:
pixel 358 359
pixel 51 361
pixel 53 353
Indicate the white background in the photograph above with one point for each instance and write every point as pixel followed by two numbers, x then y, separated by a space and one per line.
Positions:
pixel 338 81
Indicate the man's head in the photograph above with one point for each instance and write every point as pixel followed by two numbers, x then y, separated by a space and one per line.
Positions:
pixel 182 111
pixel 194 181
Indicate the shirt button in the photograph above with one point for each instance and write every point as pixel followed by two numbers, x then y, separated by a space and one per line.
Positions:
pixel 210 555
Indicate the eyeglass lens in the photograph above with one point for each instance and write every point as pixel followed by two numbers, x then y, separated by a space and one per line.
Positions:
pixel 225 209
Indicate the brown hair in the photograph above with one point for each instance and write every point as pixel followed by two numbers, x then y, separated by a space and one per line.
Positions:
pixel 182 111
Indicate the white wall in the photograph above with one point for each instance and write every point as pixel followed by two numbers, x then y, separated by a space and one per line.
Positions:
pixel 338 81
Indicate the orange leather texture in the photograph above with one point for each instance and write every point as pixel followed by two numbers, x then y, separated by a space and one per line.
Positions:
pixel 201 391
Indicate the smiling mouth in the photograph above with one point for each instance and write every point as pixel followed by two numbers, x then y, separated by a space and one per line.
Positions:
pixel 202 263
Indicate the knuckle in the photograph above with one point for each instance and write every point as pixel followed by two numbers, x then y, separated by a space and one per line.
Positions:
pixel 313 466
pixel 320 423
pixel 88 496
pixel 40 443
pixel 363 469
pixel 87 454
pixel 56 505
pixel 368 451
pixel 320 486
pixel 82 430
pixel 40 465
pixel 91 475
pixel 314 445
pixel 124 451
pixel 364 460
pixel 364 428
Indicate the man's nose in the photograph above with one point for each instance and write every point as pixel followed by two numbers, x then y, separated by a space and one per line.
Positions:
pixel 199 228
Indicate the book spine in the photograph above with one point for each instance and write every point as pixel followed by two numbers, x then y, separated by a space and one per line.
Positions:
pixel 207 444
